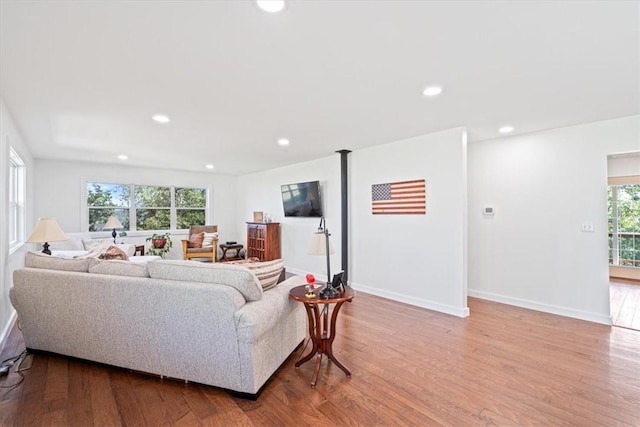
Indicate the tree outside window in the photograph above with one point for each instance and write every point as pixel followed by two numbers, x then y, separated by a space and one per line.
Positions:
pixel 153 207
pixel 624 225
pixel 145 207
pixel 190 206
pixel 105 200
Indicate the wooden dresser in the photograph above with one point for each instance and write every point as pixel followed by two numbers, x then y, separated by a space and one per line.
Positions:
pixel 263 240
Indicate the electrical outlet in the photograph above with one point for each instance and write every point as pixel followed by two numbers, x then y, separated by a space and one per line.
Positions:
pixel 587 226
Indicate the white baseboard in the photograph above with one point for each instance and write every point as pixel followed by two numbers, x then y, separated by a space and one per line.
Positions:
pixel 429 305
pixel 4 335
pixel 561 311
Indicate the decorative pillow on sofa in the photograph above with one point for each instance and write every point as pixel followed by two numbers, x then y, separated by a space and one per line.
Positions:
pixel 208 239
pixel 267 272
pixel 114 252
pixel 118 268
pixel 235 276
pixel 40 260
pixel 73 243
pixel 97 245
pixel 195 240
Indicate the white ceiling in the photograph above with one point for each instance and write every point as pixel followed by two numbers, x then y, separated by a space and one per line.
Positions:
pixel 82 78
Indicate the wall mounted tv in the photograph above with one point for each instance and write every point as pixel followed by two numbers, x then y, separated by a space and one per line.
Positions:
pixel 302 199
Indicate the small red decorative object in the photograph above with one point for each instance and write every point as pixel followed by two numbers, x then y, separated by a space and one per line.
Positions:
pixel 310 280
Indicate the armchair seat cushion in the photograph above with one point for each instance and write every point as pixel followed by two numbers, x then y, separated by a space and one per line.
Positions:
pixel 203 250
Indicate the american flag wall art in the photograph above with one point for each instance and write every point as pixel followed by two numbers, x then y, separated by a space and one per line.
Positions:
pixel 399 198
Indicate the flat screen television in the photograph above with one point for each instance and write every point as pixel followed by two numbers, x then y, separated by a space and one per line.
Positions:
pixel 302 199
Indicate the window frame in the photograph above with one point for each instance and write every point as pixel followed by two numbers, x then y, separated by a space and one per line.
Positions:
pixel 16 200
pixel 133 231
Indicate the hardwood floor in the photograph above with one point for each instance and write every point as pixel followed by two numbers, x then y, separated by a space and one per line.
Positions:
pixel 625 304
pixel 503 366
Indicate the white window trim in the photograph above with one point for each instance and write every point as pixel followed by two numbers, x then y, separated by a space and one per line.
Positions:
pixel 17 220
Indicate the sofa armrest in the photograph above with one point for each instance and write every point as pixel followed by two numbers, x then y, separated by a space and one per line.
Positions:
pixel 257 317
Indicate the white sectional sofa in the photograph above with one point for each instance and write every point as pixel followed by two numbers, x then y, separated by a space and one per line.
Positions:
pixel 207 323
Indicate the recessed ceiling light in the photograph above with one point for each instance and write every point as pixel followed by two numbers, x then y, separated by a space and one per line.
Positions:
pixel 161 118
pixel 122 157
pixel 505 129
pixel 432 91
pixel 209 166
pixel 271 6
pixel 283 142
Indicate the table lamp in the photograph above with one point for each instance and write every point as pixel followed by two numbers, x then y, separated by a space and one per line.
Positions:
pixel 46 230
pixel 320 245
pixel 113 222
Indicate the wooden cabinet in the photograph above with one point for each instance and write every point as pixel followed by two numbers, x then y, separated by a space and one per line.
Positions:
pixel 263 240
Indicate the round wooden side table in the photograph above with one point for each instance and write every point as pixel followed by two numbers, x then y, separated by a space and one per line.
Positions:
pixel 321 332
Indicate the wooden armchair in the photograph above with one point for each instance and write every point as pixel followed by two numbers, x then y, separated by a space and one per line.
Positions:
pixel 206 251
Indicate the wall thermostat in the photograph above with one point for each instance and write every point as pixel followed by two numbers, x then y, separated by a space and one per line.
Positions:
pixel 488 210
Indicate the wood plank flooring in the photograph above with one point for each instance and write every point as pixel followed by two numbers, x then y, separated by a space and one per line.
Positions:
pixel 625 304
pixel 502 366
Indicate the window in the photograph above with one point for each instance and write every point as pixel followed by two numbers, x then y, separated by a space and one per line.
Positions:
pixel 104 200
pixel 145 207
pixel 624 225
pixel 16 199
pixel 153 207
pixel 190 206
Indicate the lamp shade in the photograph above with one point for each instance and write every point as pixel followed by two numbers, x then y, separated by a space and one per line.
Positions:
pixel 47 230
pixel 113 222
pixel 318 245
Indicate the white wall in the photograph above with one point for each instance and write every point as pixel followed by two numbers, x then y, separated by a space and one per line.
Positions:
pixel 59 187
pixel 10 137
pixel 418 259
pixel 543 185
pixel 261 192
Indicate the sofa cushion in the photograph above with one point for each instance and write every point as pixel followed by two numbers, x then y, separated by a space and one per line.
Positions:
pixel 118 268
pixel 195 240
pixel 40 260
pixel 101 245
pixel 267 272
pixel 238 277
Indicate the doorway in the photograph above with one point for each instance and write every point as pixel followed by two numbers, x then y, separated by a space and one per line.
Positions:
pixel 623 206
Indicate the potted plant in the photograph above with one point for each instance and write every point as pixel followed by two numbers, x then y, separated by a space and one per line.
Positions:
pixel 160 244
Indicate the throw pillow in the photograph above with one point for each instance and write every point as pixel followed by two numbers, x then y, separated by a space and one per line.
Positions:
pixel 208 239
pixel 114 252
pixel 267 272
pixel 73 243
pixel 128 248
pixel 195 240
pixel 97 245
